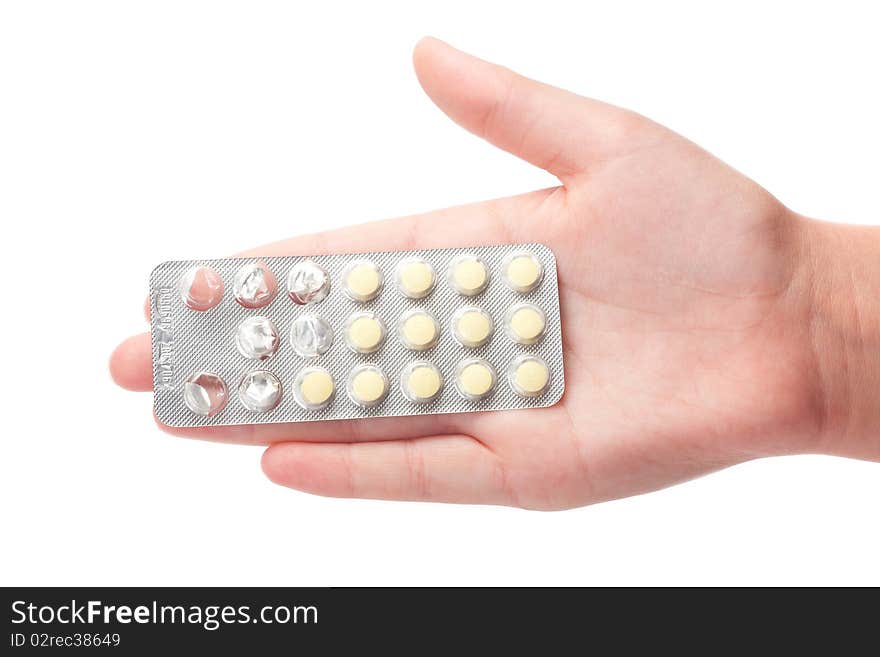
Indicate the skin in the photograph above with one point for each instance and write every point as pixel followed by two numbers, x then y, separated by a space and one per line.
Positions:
pixel 705 324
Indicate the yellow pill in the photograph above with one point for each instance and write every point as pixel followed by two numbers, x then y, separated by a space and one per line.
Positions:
pixel 419 331
pixel 530 377
pixel 476 379
pixel 526 324
pixel 523 272
pixel 363 281
pixel 469 276
pixel 423 382
pixel 365 333
pixel 317 387
pixel 367 385
pixel 472 327
pixel 415 278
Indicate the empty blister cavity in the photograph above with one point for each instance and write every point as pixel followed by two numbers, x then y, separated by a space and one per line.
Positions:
pixel 205 394
pixel 310 336
pixel 418 330
pixel 415 277
pixel 421 382
pixel 523 271
pixel 254 285
pixel 525 323
pixel 472 326
pixel 256 338
pixel 468 275
pixel 475 379
pixel 201 288
pixel 308 282
pixel 314 388
pixel 364 332
pixel 362 280
pixel 367 386
pixel 528 375
pixel 259 391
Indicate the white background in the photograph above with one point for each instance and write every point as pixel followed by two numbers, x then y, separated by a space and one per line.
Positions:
pixel 132 133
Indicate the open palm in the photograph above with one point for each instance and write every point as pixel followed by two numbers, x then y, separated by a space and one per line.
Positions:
pixel 679 288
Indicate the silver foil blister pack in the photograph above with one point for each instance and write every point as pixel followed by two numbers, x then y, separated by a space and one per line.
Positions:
pixel 336 337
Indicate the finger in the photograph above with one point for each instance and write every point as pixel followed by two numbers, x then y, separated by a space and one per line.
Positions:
pixel 328 431
pixel 130 364
pixel 498 221
pixel 552 128
pixel 439 468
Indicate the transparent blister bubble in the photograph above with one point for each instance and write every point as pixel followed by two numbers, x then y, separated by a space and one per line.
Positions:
pixel 421 382
pixel 365 332
pixel 367 385
pixel 475 378
pixel 205 394
pixel 529 375
pixel 260 391
pixel 201 288
pixel 311 335
pixel 257 338
pixel 472 326
pixel 362 280
pixel 418 329
pixel 415 277
pixel 314 388
pixel 254 285
pixel 522 271
pixel 308 282
pixel 525 323
pixel 468 274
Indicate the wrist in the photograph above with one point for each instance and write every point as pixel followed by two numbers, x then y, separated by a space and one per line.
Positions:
pixel 839 277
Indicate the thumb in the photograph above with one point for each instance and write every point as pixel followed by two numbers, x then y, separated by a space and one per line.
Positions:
pixel 553 129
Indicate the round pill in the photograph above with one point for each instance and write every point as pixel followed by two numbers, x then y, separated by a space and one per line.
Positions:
pixel 201 288
pixel 364 332
pixel 472 326
pixel 468 275
pixel 418 330
pixel 256 338
pixel 367 385
pixel 205 394
pixel 529 376
pixel 525 323
pixel 421 382
pixel 363 280
pixel 523 271
pixel 254 285
pixel 259 391
pixel 475 379
pixel 310 336
pixel 308 282
pixel 313 388
pixel 415 278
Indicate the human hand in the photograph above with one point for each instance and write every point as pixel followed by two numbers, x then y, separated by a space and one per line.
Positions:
pixel 688 299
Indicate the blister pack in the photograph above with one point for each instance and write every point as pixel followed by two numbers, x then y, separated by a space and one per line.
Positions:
pixel 334 337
